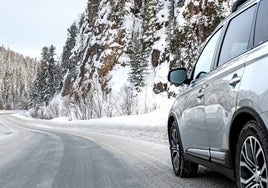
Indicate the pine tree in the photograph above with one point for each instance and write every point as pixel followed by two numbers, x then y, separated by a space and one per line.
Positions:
pixel 66 61
pixel 70 58
pixel 51 81
pixel 173 42
pixel 118 11
pixel 148 26
pixel 44 85
pixel 138 64
pixel 81 20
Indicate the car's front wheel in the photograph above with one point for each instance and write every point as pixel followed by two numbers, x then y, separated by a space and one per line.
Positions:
pixel 181 167
pixel 251 157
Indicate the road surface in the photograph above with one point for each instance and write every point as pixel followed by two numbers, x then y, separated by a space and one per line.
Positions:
pixel 33 157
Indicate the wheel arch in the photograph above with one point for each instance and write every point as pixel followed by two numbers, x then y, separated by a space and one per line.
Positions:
pixel 240 118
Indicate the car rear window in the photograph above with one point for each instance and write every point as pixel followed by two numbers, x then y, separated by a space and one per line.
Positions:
pixel 237 36
pixel 261 30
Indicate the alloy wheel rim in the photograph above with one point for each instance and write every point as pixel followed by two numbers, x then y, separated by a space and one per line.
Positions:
pixel 253 167
pixel 175 149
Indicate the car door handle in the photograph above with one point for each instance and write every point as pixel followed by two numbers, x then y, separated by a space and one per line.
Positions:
pixel 201 91
pixel 200 94
pixel 236 79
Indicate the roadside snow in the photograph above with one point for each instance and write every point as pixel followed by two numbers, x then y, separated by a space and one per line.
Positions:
pixel 150 127
pixel 4 131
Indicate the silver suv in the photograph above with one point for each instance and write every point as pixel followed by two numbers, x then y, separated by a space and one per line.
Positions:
pixel 220 119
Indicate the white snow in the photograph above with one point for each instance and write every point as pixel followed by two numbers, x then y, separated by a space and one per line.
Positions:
pixel 119 78
pixel 4 131
pixel 150 127
pixel 161 73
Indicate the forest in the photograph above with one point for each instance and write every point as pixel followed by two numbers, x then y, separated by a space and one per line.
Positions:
pixel 17 74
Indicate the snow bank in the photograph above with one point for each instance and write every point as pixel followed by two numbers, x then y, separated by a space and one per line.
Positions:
pixel 149 127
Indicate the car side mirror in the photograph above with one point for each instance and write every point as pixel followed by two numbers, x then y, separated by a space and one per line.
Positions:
pixel 178 76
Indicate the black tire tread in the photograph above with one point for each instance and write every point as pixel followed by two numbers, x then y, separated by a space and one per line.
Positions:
pixel 187 168
pixel 260 132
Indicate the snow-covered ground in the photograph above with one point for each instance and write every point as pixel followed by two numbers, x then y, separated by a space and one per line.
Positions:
pixel 4 130
pixel 150 127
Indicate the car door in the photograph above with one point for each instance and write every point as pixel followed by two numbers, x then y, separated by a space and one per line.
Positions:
pixel 192 123
pixel 223 84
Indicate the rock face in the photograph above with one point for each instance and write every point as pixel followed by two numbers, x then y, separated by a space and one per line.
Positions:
pixel 164 33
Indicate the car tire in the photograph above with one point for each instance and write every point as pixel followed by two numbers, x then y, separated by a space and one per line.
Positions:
pixel 251 156
pixel 181 167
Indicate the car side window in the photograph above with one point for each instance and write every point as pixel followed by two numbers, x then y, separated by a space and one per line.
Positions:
pixel 261 30
pixel 237 37
pixel 205 60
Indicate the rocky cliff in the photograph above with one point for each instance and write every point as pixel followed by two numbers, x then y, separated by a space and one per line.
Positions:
pixel 125 49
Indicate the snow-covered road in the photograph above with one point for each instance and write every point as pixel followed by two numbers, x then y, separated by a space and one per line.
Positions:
pixel 39 153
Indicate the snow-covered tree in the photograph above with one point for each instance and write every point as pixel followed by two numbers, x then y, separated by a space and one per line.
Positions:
pixel 138 64
pixel 17 74
pixel 148 27
pixel 66 61
pixel 45 84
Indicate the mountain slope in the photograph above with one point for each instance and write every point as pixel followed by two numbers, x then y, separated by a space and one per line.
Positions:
pixel 125 49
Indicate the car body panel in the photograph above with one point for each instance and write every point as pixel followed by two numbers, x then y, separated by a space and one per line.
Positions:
pixel 190 113
pixel 220 102
pixel 253 93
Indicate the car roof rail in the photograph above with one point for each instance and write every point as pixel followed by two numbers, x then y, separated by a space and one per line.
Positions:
pixel 237 4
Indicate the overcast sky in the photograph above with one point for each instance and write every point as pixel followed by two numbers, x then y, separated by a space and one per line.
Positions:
pixel 29 25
